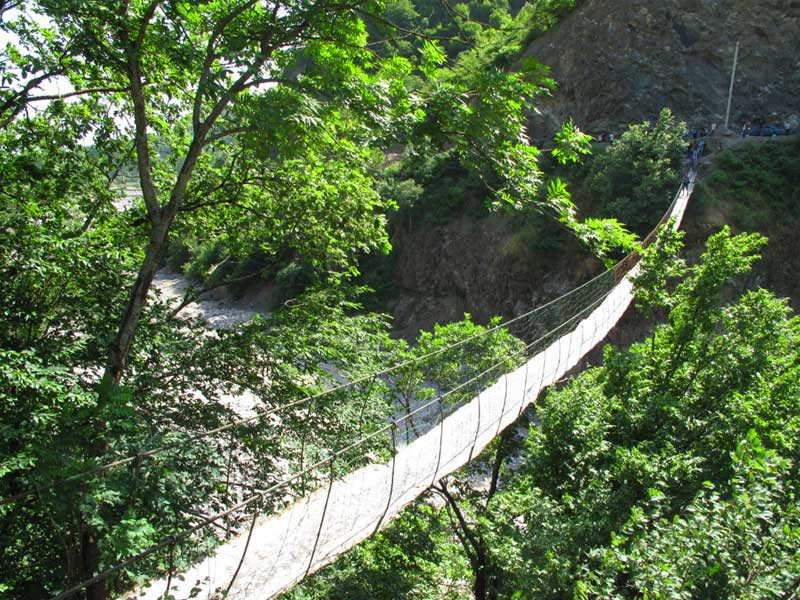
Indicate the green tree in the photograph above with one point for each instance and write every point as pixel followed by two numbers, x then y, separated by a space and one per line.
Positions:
pixel 739 544
pixel 654 424
pixel 254 128
pixel 635 178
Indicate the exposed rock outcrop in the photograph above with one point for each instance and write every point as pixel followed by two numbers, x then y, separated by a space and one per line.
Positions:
pixel 484 267
pixel 621 61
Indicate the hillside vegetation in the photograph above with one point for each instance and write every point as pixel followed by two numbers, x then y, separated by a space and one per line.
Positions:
pixel 316 146
pixel 755 186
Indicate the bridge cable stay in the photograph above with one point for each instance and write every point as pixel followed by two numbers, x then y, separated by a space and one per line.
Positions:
pixel 437 404
pixel 281 549
pixel 512 324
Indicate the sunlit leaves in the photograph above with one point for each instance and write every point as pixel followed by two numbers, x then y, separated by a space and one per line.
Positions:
pixel 660 263
pixel 665 471
pixel 742 544
pixel 431 57
pixel 571 144
pixel 604 237
pixel 636 177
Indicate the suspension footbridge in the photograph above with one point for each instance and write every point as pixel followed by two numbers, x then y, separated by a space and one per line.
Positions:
pixel 278 551
pixel 280 546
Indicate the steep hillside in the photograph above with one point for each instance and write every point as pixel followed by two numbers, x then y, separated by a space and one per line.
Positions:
pixel 756 187
pixel 619 61
pixel 482 266
pixel 616 62
pixel 506 264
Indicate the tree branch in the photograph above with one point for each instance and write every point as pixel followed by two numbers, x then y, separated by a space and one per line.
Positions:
pixel 99 90
pixel 140 119
pixel 208 61
pixel 451 501
pixel 457 529
pixel 18 100
pixel 499 457
pixel 146 18
pixel 411 32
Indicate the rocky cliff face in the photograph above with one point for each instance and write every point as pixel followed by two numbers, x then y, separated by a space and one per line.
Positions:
pixel 486 267
pixel 621 61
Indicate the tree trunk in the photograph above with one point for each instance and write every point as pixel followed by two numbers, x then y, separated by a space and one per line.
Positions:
pixel 91 559
pixel 479 586
pixel 161 221
pixel 119 349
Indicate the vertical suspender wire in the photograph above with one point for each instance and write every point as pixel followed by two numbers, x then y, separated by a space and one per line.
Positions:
pixel 477 429
pixel 322 519
pixel 283 541
pixel 594 331
pixel 558 362
pixel 583 335
pixel 408 423
pixel 571 335
pixel 256 510
pixel 391 480
pixel 209 558
pixel 543 342
pixel 524 386
pixel 349 470
pixel 543 354
pixel 505 399
pixel 441 441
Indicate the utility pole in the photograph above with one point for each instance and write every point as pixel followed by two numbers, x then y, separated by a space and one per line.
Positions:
pixel 730 90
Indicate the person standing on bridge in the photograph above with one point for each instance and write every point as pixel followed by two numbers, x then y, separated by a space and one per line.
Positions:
pixel 685 183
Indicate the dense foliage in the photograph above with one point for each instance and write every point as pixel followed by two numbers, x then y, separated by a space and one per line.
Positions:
pixel 461 26
pixel 633 181
pixel 755 185
pixel 249 134
pixel 644 437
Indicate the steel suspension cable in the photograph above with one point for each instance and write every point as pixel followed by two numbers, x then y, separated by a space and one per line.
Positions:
pixel 260 495
pixel 197 437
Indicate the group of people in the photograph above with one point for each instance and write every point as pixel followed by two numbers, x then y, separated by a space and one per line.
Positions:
pixel 701 138
pixel 702 132
pixel 605 137
pixel 696 148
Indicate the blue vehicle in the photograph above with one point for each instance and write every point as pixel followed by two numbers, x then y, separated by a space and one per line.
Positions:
pixel 766 130
pixel 770 130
